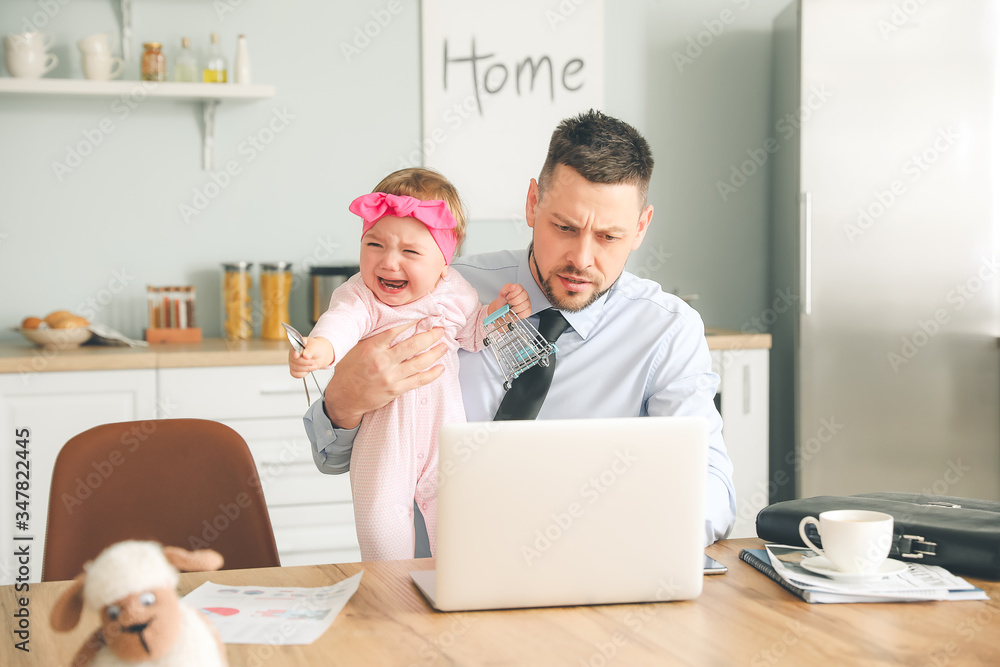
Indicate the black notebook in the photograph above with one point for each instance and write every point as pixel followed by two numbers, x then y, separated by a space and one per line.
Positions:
pixel 758 558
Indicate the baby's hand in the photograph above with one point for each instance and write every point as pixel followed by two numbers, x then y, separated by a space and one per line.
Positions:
pixel 318 354
pixel 517 298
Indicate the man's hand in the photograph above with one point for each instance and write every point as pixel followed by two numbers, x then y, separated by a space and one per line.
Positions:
pixel 317 354
pixel 374 372
pixel 515 296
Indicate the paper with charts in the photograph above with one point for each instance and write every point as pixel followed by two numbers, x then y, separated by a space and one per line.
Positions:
pixel 272 615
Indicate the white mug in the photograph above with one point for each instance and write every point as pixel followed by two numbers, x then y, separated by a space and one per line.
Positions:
pixel 102 66
pixel 28 64
pixel 29 41
pixel 95 44
pixel 855 541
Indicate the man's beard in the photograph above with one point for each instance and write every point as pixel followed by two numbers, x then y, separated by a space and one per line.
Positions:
pixel 562 303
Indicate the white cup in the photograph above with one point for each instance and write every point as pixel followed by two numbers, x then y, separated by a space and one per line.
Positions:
pixel 29 64
pixel 29 41
pixel 95 44
pixel 855 541
pixel 102 66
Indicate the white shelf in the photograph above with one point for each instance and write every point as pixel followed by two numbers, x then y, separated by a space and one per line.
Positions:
pixel 209 94
pixel 164 90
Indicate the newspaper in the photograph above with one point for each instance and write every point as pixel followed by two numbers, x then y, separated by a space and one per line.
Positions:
pixel 916 582
pixel 105 335
pixel 272 615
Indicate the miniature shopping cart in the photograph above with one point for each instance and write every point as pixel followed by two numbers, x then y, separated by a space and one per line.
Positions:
pixel 516 345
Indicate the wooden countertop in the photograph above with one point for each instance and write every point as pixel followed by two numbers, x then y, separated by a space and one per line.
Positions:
pixel 20 357
pixel 727 339
pixel 741 618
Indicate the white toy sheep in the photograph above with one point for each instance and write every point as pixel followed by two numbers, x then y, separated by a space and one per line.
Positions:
pixel 133 585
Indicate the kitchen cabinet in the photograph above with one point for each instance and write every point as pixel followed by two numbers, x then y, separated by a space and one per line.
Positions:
pixel 744 404
pixel 312 514
pixel 54 407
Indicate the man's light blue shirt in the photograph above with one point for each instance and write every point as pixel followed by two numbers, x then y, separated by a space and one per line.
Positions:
pixel 636 351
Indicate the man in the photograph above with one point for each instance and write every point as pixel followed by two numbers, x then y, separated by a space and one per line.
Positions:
pixel 631 349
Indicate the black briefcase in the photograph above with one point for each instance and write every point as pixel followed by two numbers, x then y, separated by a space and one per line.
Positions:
pixel 959 534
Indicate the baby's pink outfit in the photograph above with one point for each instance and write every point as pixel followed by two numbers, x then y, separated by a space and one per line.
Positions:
pixel 395 455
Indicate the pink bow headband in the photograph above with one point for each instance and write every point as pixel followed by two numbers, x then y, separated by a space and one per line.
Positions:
pixel 433 213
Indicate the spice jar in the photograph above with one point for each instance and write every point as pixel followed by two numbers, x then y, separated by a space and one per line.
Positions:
pixel 189 300
pixel 275 290
pixel 153 306
pixel 237 322
pixel 154 65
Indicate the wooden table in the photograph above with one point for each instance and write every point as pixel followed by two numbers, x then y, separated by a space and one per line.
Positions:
pixel 741 618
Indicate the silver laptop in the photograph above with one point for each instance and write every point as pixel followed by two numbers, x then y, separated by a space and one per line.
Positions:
pixel 568 512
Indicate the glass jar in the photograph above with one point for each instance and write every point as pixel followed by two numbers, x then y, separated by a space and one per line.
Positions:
pixel 237 317
pixel 153 306
pixel 275 290
pixel 189 300
pixel 322 281
pixel 154 65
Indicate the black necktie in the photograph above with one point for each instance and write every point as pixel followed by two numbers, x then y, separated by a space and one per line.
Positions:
pixel 527 392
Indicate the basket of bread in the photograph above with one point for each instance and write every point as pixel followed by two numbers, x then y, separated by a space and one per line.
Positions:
pixel 60 329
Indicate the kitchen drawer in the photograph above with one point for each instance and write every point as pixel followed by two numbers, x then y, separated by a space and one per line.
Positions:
pixel 274 441
pixel 319 516
pixel 311 534
pixel 301 483
pixel 285 466
pixel 226 392
pixel 315 538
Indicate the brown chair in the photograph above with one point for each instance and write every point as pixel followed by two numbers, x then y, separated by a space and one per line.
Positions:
pixel 189 483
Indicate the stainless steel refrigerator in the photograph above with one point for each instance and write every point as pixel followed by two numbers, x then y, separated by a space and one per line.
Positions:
pixel 885 193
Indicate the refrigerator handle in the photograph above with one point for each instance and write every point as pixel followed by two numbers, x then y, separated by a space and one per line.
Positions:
pixel 805 249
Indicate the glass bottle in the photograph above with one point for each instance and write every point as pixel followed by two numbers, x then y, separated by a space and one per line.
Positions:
pixel 154 65
pixel 275 290
pixel 186 64
pixel 216 66
pixel 237 318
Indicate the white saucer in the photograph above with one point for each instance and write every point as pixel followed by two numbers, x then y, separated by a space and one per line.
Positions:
pixel 820 565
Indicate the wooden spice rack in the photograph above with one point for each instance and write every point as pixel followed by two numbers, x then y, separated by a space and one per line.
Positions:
pixel 189 335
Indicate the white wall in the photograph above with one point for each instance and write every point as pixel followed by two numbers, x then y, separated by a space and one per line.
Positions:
pixel 63 242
